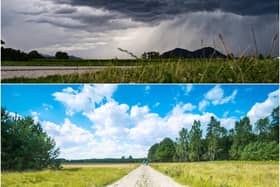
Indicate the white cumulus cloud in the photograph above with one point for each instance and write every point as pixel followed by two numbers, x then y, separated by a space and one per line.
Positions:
pixel 264 109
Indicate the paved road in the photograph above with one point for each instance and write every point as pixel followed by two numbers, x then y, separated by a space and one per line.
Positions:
pixel 43 71
pixel 145 176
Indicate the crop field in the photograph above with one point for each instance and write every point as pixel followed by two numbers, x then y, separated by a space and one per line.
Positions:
pixel 243 70
pixel 223 173
pixel 76 175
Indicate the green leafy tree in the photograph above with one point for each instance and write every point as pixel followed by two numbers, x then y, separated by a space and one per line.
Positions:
pixel 25 145
pixel 152 152
pixel 242 136
pixel 214 133
pixel 195 145
pixel 182 144
pixel 263 129
pixel 165 151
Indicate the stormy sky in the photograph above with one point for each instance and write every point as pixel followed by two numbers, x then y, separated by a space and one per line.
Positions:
pixel 96 28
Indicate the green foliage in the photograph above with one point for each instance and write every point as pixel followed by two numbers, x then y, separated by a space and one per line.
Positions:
pixel 152 152
pixel 239 143
pixel 61 55
pixel 195 145
pixel 162 152
pixel 275 125
pixel 214 134
pixel 182 145
pixel 165 151
pixel 25 145
pixel 242 136
pixel 261 151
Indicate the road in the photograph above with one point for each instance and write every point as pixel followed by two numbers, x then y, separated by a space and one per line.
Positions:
pixel 145 176
pixel 8 72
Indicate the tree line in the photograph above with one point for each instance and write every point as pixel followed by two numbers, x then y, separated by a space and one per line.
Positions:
pixel 25 146
pixel 10 54
pixel 240 143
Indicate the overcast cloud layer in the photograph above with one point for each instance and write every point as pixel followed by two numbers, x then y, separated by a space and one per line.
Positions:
pixel 95 29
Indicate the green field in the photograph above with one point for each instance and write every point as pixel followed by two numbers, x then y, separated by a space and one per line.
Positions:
pixel 223 173
pixel 69 176
pixel 56 62
pixel 243 70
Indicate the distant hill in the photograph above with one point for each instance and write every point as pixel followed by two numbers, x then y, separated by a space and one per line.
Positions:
pixel 206 52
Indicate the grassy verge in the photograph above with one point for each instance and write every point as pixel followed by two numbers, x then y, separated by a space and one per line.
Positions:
pixel 55 62
pixel 70 175
pixel 200 71
pixel 223 173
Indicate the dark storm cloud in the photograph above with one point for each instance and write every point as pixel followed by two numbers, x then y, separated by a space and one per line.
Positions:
pixel 154 10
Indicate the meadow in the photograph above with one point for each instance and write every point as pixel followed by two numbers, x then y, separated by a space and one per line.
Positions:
pixel 223 173
pixel 75 175
pixel 240 70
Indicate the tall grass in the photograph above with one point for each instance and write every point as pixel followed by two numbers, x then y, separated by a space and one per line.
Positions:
pixel 69 176
pixel 241 70
pixel 223 173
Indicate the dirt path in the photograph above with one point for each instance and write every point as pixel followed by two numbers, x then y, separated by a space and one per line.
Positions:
pixel 145 176
pixel 8 72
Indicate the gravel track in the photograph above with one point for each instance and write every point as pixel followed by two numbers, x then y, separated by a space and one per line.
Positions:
pixel 145 176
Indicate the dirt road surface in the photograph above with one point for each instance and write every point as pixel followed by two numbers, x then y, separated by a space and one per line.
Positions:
pixel 145 176
pixel 8 72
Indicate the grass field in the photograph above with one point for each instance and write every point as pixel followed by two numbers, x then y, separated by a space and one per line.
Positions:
pixel 247 70
pixel 55 62
pixel 223 173
pixel 70 176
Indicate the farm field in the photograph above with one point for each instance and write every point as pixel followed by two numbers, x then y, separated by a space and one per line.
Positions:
pixel 179 71
pixel 76 175
pixel 223 173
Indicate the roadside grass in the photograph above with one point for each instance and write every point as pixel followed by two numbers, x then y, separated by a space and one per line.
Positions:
pixel 97 62
pixel 223 173
pixel 69 176
pixel 243 70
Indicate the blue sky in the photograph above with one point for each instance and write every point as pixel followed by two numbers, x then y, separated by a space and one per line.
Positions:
pixel 127 119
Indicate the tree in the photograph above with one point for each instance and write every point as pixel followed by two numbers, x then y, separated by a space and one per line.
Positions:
pixel 165 151
pixel 151 55
pixel 263 129
pixel 275 124
pixel 61 55
pixel 182 146
pixel 34 55
pixel 152 152
pixel 242 136
pixel 195 145
pixel 13 54
pixel 2 42
pixel 25 145
pixel 214 133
